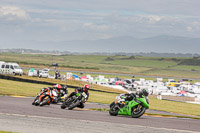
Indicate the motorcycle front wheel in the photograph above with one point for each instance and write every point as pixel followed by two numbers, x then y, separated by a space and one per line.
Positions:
pixel 63 106
pixel 114 110
pixel 45 101
pixel 36 100
pixel 74 104
pixel 138 111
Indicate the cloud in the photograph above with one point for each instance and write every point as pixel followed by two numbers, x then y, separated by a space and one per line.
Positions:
pixel 193 27
pixel 189 28
pixel 97 27
pixel 154 19
pixel 12 13
pixel 92 20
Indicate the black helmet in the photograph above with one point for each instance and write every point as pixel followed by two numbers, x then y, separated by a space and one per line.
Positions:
pixel 65 87
pixel 145 93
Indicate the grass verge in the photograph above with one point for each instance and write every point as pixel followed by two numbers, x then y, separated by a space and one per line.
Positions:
pixel 17 88
pixel 7 132
pixel 73 83
pixel 177 116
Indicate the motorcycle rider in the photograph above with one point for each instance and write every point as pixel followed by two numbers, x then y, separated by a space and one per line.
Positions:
pixel 42 90
pixel 58 90
pixel 85 89
pixel 125 97
pixel 130 96
pixel 61 91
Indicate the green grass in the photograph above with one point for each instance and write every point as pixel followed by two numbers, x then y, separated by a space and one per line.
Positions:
pixel 17 88
pixel 99 97
pixel 175 107
pixel 7 132
pixel 151 66
pixel 178 116
pixel 188 68
pixel 73 83
pixel 145 63
pixel 173 73
pixel 122 64
pixel 137 65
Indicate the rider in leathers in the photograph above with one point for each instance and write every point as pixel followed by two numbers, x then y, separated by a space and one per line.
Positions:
pixel 61 91
pixel 81 90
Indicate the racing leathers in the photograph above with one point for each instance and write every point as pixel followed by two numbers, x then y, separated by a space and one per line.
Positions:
pixel 81 90
pixel 62 92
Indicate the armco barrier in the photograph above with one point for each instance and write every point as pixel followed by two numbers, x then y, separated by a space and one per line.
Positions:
pixel 13 78
pixel 178 98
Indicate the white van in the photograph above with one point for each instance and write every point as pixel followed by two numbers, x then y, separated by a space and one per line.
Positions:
pixel 10 68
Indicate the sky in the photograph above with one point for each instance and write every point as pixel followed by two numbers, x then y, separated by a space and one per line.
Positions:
pixel 28 21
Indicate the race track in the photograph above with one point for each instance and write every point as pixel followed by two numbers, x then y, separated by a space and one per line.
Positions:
pixel 18 115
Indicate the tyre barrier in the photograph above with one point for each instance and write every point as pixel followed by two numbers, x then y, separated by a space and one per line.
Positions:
pixel 13 78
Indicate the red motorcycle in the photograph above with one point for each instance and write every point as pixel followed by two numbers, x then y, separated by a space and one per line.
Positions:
pixel 46 96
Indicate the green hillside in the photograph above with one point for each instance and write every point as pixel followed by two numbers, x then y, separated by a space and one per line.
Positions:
pixel 138 65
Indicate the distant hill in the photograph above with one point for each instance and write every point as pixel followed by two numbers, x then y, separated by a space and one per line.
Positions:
pixel 125 44
pixel 159 44
pixel 151 54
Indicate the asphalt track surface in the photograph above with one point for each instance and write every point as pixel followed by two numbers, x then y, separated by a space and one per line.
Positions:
pixel 18 115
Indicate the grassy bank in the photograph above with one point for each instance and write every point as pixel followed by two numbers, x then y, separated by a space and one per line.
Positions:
pixel 72 83
pixel 28 89
pixel 7 132
pixel 138 65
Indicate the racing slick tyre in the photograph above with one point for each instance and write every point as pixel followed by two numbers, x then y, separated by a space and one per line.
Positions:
pixel 138 111
pixel 113 103
pixel 73 105
pixel 114 110
pixel 63 106
pixel 35 102
pixel 45 102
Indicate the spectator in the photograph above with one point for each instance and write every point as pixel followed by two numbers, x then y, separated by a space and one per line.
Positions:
pixel 56 74
pixel 133 79
pixel 38 72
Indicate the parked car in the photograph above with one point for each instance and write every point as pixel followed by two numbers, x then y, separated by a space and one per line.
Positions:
pixel 44 73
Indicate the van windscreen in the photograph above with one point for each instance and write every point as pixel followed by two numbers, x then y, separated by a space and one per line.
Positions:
pixel 11 67
pixel 17 67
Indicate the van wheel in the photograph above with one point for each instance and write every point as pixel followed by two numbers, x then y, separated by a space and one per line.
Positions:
pixel 14 74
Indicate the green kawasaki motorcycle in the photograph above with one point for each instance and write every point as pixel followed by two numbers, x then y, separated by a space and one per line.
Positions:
pixel 135 108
